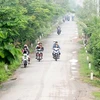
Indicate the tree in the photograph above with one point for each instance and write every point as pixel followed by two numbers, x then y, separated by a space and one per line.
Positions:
pixel 92 30
pixel 10 23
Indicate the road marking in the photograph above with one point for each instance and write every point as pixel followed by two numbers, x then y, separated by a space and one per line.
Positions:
pixel 73 68
pixel 74 71
pixel 73 60
pixel 74 52
pixel 73 63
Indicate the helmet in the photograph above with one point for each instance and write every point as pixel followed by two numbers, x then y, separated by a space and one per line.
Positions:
pixel 40 43
pixel 25 45
pixel 56 41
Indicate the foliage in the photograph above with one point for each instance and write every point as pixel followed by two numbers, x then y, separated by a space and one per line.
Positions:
pixel 97 95
pixel 9 53
pixel 85 71
pixel 10 23
pixel 92 30
pixel 24 21
pixel 4 75
pixel 94 41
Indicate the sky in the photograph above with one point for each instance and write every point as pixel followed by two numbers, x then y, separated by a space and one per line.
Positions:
pixel 79 2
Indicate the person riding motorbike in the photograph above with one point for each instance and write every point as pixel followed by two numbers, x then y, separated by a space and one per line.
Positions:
pixel 58 29
pixel 26 51
pixel 56 45
pixel 39 46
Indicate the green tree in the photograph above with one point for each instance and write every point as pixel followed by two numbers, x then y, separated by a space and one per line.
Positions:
pixel 11 20
pixel 92 30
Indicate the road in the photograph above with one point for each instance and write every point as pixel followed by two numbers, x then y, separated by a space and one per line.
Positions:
pixel 50 79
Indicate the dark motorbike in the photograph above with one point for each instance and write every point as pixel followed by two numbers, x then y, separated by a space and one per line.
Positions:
pixel 58 31
pixel 56 54
pixel 39 55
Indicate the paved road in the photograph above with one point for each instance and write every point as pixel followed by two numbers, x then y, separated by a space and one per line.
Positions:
pixel 50 79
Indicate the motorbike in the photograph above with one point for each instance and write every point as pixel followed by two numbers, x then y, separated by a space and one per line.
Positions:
pixel 25 60
pixel 63 20
pixel 39 55
pixel 56 54
pixel 27 53
pixel 58 31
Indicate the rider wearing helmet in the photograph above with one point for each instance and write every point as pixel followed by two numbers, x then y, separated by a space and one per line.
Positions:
pixel 26 52
pixel 26 49
pixel 39 46
pixel 56 45
pixel 58 30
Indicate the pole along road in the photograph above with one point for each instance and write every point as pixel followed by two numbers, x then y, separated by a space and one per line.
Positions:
pixel 50 79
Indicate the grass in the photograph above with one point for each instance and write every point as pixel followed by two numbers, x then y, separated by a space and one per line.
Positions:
pixel 85 71
pixel 4 74
pixel 96 95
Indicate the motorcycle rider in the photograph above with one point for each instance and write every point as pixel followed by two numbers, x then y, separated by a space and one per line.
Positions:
pixel 39 46
pixel 56 45
pixel 58 29
pixel 26 51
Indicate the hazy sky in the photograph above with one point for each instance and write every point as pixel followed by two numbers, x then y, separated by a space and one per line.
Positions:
pixel 79 2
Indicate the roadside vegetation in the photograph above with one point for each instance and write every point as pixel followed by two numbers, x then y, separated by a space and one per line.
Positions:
pixel 24 22
pixel 97 95
pixel 88 22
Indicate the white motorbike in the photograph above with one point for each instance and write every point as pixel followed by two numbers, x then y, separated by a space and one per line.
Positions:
pixel 56 53
pixel 25 60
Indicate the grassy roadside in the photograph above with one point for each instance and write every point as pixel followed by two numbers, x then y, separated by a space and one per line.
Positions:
pixel 5 74
pixel 96 95
pixel 85 71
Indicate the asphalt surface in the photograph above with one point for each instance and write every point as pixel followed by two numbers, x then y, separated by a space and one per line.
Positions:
pixel 50 79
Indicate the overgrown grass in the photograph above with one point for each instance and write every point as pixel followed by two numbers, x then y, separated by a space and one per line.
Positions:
pixel 96 95
pixel 5 74
pixel 85 71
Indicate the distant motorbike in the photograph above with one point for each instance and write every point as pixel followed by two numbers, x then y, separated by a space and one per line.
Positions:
pixel 25 60
pixel 39 55
pixel 63 20
pixel 58 31
pixel 56 54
